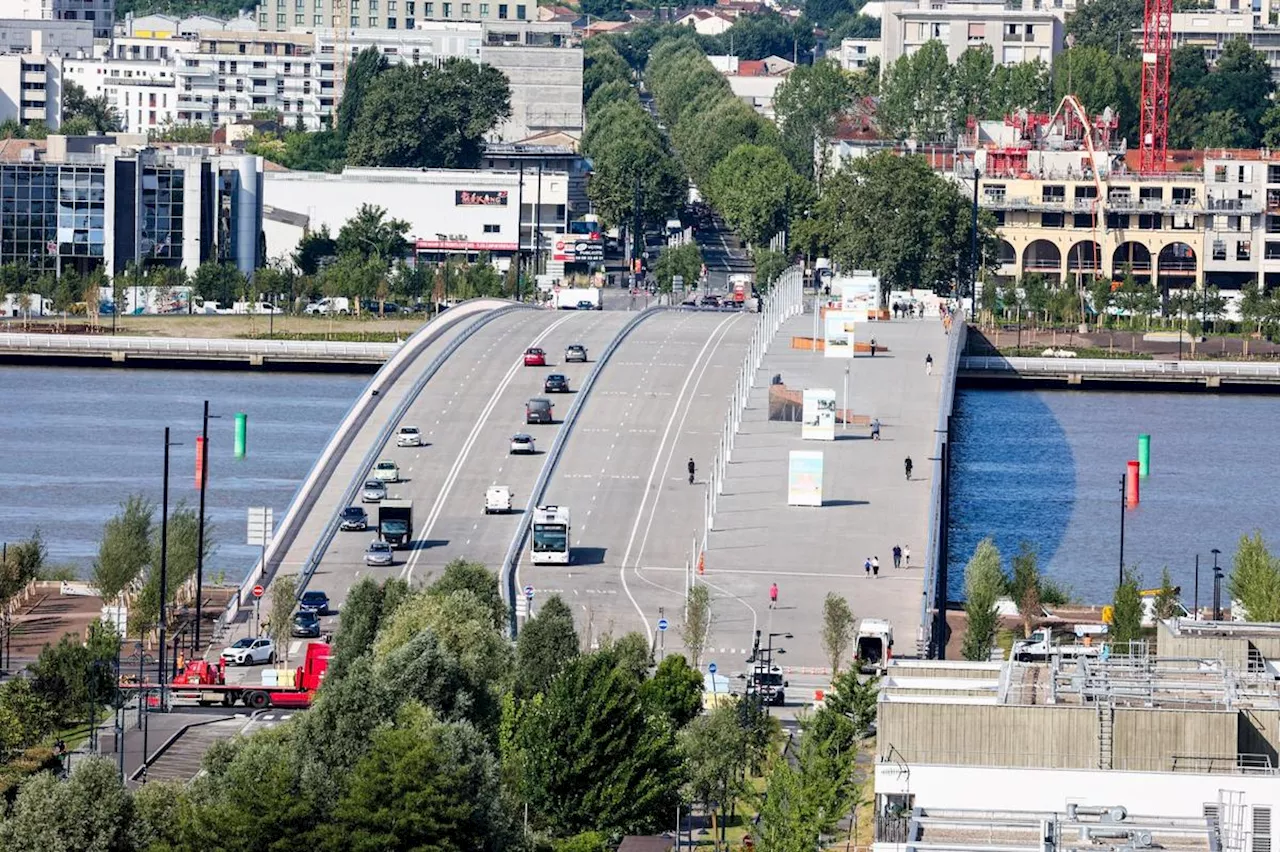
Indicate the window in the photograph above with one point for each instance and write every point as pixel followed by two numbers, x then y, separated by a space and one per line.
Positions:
pixel 1051 220
pixel 493 229
pixel 373 6
pixel 484 10
pixel 279 23
pixel 299 19
pixel 466 10
pixel 520 13
pixel 502 11
pixel 1082 220
pixel 977 32
pixel 429 10
pixel 1261 829
pixel 1219 174
pixel 1244 250
pixel 409 7
pixel 355 6
pixel 408 25
pixel 1219 250
pixel 447 9
pixel 391 5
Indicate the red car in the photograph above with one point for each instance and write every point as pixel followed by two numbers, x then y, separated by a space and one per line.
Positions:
pixel 535 357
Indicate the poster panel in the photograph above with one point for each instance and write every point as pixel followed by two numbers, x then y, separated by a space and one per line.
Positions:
pixel 838 334
pixel 804 479
pixel 819 415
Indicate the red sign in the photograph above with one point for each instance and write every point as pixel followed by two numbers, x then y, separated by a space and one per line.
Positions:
pixel 480 197
pixel 463 245
pixel 199 462
pixel 257 591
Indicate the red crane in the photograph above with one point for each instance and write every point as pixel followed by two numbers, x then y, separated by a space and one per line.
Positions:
pixel 1157 48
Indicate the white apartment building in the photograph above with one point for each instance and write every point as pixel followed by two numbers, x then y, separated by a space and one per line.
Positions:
pixel 855 53
pixel 17 35
pixel 1017 31
pixel 31 87
pixel 138 76
pixel 100 13
pixel 282 15
pixel 1212 28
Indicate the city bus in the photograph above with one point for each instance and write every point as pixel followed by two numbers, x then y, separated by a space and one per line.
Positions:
pixel 550 544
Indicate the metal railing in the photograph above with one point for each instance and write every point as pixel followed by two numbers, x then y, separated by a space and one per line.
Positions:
pixel 1118 367
pixel 1085 758
pixel 192 345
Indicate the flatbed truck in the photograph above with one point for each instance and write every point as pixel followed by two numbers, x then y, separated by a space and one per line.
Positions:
pixel 206 683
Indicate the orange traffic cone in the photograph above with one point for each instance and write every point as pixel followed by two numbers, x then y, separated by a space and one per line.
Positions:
pixel 702 563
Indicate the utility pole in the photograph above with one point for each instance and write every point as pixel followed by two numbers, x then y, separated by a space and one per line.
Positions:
pixel 202 463
pixel 164 560
pixel 973 244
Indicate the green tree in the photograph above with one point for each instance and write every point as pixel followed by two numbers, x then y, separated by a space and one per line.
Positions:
pixel 916 95
pixel 1025 585
pixel 837 629
pixel 91 811
pixel 361 74
pixel 22 563
pixel 594 759
pixel 1035 294
pixel 475 577
pixel 1107 25
pixel 769 34
pixel 218 282
pixel 124 550
pixel 683 260
pixel 1255 579
pixel 1240 82
pixel 1166 602
pixel 1094 75
pixel 984 583
pixel 73 676
pixel 546 644
pixel 696 626
pixel 601 66
pixel 755 190
pixel 769 265
pixel 675 690
pixel 854 699
pixel 184 526
pixel 370 233
pixel 716 751
pixel 807 106
pixel 284 596
pixel 1026 85
pixel 1101 297
pixel 26 714
pixel 89 114
pixel 1126 611
pixel 972 84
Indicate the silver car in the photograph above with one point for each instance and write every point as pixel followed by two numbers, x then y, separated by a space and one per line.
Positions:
pixel 375 491
pixel 379 553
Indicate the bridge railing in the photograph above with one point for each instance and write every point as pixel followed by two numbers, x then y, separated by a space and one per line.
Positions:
pixel 194 345
pixel 1118 367
pixel 307 495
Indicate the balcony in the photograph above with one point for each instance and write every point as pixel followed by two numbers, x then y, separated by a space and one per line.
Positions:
pixel 1242 206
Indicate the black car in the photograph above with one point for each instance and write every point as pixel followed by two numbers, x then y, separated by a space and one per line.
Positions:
pixel 555 383
pixel 354 518
pixel 315 600
pixel 306 623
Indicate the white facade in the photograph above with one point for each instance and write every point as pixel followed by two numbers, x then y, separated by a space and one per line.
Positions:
pixel 706 22
pixel 1212 28
pixel 138 76
pixel 756 92
pixel 1019 31
pixel 281 16
pixel 170 26
pixel 99 13
pixel 31 88
pixel 449 211
pixel 40 36
pixel 855 53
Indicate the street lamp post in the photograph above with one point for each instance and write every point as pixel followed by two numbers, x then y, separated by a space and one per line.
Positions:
pixel 1196 599
pixel 204 481
pixel 1120 580
pixel 164 560
pixel 1217 586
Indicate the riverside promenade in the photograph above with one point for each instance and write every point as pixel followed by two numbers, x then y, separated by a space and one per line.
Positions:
pixel 118 351
pixel 868 504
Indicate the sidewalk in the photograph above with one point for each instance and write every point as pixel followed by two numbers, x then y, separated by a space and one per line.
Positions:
pixel 868 506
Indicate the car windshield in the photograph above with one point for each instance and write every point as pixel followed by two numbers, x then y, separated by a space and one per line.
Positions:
pixel 408 430
pixel 374 485
pixel 314 596
pixel 243 643
pixel 522 439
pixel 394 526
pixel 306 617
pixel 386 465
pixel 353 513
pixel 379 546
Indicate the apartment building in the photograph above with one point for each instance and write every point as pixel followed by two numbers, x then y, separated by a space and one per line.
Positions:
pixel 283 15
pixel 19 35
pixel 1017 30
pixel 1211 28
pixel 138 77
pixel 85 202
pixel 855 53
pixel 99 13
pixel 31 87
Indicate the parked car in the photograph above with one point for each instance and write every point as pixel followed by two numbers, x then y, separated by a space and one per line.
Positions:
pixel 375 491
pixel 555 383
pixel 575 352
pixel 306 624
pixel 249 651
pixel 522 443
pixel 386 471
pixel 379 553
pixel 535 357
pixel 538 410
pixel 408 436
pixel 586 305
pixel 354 518
pixel 316 600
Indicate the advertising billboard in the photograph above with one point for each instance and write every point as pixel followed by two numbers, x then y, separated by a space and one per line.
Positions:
pixel 819 417
pixel 804 478
pixel 838 336
pixel 480 198
pixel 858 292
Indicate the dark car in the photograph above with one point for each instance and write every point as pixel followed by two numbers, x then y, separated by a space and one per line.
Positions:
pixel 586 305
pixel 315 600
pixel 555 383
pixel 538 410
pixel 306 623
pixel 354 518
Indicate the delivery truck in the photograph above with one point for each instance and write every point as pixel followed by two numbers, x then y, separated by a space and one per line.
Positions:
pixel 395 522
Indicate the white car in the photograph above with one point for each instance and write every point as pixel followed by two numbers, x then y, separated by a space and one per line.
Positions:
pixel 408 436
pixel 386 471
pixel 379 553
pixel 522 443
pixel 375 491
pixel 248 651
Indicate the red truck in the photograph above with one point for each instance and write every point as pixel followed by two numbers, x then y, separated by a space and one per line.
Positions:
pixel 206 683
pixel 740 285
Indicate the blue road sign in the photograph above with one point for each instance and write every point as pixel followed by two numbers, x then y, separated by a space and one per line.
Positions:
pixel 711 667
pixel 662 624
pixel 528 593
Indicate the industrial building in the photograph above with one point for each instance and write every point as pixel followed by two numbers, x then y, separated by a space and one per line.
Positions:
pixel 103 201
pixel 1191 732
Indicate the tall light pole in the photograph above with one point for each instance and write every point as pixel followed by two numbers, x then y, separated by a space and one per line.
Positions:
pixel 202 466
pixel 164 559
pixel 1120 581
pixel 1217 586
pixel 1196 599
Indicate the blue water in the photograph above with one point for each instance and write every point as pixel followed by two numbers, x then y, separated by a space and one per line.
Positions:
pixel 75 442
pixel 1045 467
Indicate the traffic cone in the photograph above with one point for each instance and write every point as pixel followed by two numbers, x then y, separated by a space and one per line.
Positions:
pixel 702 563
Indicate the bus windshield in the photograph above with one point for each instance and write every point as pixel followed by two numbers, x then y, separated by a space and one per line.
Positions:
pixel 550 538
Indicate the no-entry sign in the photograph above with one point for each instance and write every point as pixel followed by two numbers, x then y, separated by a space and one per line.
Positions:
pixel 257 591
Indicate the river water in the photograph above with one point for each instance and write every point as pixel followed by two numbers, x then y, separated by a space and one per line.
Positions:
pixel 1045 467
pixel 75 442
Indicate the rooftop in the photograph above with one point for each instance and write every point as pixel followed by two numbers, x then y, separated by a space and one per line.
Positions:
pixel 1077 828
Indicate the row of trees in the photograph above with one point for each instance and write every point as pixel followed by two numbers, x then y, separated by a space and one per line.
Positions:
pixel 985 582
pixel 431 730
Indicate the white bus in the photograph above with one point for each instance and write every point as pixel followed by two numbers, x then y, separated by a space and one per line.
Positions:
pixel 550 535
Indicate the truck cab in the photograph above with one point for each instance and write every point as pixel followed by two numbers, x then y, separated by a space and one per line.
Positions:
pixel 1042 645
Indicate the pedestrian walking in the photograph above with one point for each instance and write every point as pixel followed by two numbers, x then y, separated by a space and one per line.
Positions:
pixel 906 464
pixel 875 565
pixel 875 429
pixel 866 567
pixel 928 364
pixel 873 347
pixel 692 468
pixel 906 556
pixel 897 556
pixel 773 596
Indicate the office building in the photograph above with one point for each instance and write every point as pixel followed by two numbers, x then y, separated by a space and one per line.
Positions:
pixel 99 13
pixel 1017 31
pixel 138 77
pixel 19 35
pixel 31 87
pixel 284 15
pixel 85 202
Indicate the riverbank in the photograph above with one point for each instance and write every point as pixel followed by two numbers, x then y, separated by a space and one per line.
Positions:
pixel 1013 340
pixel 229 326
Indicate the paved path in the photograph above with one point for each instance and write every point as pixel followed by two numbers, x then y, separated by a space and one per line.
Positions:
pixel 868 504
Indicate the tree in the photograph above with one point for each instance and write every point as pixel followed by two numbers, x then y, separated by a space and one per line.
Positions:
pixel 632 653
pixel 755 190
pixel 460 574
pixel 1166 602
pixel 1107 25
pixel 1026 85
pixel 218 282
pixel 88 114
pixel 124 550
pixel 696 626
pixel 675 690
pixel 854 699
pixel 837 629
pixel 916 95
pixel 770 34
pixel 1126 612
pixel 1094 76
pixel 1240 81
pixel 807 106
pixel 284 596
pixel 1024 586
pixel 361 74
pixel 602 65
pixel 371 234
pixel 984 583
pixel 684 260
pixel 1255 579
pixel 22 564
pixel 91 811
pixel 593 758
pixel 547 643
pixel 180 565
pixel 1225 128
pixel 26 714
pixel 715 748
pixel 769 265
pixel 73 676
pixel 971 84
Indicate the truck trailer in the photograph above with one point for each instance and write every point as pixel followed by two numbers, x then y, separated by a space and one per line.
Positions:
pixel 395 522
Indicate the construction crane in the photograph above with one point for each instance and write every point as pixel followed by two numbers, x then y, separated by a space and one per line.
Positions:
pixel 1157 50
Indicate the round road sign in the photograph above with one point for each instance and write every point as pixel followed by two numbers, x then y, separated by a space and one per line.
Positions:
pixel 711 667
pixel 257 591
pixel 662 624
pixel 528 593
